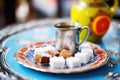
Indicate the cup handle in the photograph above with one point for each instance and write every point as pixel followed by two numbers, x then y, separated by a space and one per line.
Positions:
pixel 88 32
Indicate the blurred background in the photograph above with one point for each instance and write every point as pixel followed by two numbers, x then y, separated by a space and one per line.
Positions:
pixel 18 11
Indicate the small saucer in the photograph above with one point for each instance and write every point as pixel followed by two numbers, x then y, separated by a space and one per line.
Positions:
pixel 28 61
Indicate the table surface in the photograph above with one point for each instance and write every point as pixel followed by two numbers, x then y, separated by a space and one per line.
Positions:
pixel 24 34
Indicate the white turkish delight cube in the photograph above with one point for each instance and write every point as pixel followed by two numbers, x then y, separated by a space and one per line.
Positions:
pixel 88 50
pixel 84 58
pixel 57 62
pixel 49 47
pixel 39 50
pixel 84 45
pixel 73 62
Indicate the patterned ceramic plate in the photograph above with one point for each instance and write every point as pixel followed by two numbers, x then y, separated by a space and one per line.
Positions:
pixel 25 57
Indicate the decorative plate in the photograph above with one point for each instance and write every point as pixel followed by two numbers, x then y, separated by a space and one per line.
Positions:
pixel 25 57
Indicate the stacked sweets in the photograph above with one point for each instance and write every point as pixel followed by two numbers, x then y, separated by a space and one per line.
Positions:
pixel 65 58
